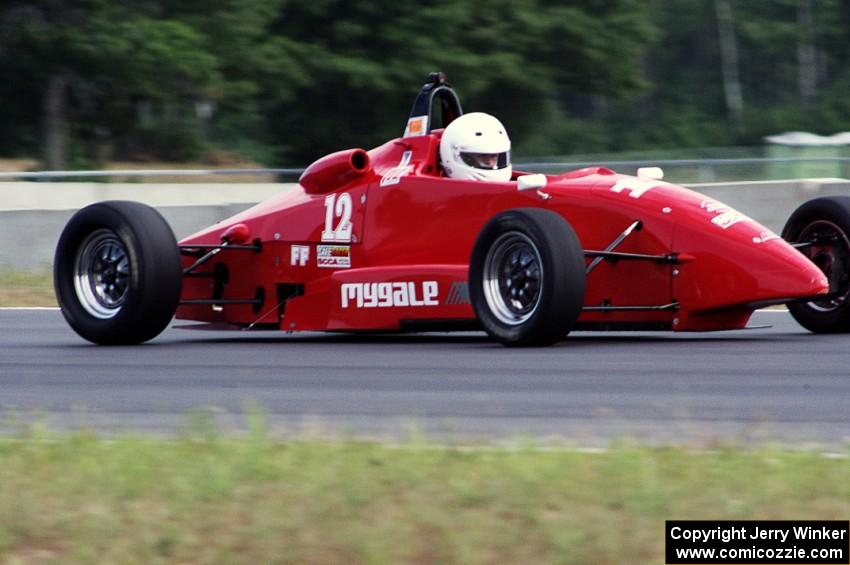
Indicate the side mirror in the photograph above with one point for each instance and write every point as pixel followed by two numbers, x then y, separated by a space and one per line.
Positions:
pixel 531 182
pixel 236 234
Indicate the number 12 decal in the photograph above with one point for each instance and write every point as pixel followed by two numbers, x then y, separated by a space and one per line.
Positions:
pixel 339 208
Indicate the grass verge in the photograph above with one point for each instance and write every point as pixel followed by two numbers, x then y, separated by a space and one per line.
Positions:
pixel 205 499
pixel 26 288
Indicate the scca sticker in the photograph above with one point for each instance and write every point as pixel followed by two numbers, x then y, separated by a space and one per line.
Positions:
pixel 333 256
pixel 390 294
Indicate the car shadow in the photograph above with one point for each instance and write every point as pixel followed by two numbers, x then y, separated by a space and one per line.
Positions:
pixel 480 339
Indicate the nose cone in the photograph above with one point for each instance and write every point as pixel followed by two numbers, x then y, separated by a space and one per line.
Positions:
pixel 787 274
pixel 738 271
pixel 733 260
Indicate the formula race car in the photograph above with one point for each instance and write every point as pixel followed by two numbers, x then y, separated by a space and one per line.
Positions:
pixel 384 240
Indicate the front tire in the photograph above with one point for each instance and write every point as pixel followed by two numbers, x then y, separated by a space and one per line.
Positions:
pixel 526 277
pixel 117 273
pixel 825 224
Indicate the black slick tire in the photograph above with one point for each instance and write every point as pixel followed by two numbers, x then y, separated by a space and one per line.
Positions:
pixel 823 225
pixel 526 277
pixel 117 273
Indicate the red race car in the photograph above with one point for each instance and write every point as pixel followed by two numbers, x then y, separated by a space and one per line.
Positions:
pixel 393 239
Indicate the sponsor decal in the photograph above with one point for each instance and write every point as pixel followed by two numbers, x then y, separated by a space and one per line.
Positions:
pixel 713 206
pixel 416 126
pixel 299 255
pixel 458 294
pixel 725 217
pixel 333 256
pixel 393 176
pixel 390 294
pixel 636 187
pixel 765 236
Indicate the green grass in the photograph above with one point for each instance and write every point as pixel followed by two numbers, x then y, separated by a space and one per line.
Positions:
pixel 26 288
pixel 206 499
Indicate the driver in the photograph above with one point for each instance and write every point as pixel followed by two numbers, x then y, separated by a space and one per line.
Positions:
pixel 476 146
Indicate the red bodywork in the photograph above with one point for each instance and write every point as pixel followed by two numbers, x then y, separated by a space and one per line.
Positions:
pixel 389 218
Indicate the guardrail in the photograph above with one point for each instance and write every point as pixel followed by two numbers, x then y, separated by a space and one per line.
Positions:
pixel 681 170
pixel 687 162
pixel 144 173
pixel 684 171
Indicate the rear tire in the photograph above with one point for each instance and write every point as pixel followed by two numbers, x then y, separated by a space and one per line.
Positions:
pixel 526 277
pixel 825 221
pixel 117 273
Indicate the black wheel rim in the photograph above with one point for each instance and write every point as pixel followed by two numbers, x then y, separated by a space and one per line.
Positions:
pixel 101 274
pixel 830 251
pixel 513 278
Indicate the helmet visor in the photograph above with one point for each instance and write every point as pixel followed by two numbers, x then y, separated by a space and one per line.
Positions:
pixel 487 161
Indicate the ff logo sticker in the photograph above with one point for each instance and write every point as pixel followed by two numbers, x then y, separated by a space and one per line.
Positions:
pixel 299 255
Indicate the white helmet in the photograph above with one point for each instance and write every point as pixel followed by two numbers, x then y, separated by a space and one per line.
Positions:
pixel 476 146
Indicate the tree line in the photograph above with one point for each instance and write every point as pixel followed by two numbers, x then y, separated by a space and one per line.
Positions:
pixel 83 82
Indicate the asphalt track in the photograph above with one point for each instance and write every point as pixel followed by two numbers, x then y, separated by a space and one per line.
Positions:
pixel 777 384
